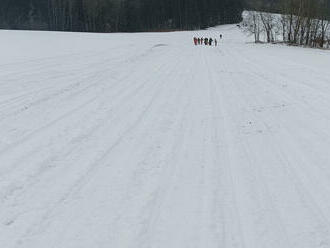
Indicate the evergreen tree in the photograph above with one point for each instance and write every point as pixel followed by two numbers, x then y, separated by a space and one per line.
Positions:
pixel 118 15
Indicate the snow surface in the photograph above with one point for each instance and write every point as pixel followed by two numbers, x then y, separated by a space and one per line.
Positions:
pixel 146 141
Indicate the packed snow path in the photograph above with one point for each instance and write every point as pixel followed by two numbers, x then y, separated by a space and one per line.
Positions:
pixel 146 141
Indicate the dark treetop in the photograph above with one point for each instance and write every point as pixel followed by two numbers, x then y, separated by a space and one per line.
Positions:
pixel 117 15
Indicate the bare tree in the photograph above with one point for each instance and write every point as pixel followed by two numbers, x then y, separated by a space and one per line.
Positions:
pixel 252 24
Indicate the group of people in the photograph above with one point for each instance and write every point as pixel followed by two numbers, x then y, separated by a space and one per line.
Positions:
pixel 206 41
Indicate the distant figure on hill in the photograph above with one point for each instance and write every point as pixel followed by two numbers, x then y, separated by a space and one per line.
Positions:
pixel 220 36
pixel 210 41
pixel 195 41
pixel 206 41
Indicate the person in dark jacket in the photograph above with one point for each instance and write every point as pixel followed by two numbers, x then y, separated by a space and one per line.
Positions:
pixel 195 41
pixel 210 41
pixel 215 42
pixel 199 41
pixel 206 41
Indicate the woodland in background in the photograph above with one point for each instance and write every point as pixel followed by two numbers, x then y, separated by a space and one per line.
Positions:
pixel 117 15
pixel 298 22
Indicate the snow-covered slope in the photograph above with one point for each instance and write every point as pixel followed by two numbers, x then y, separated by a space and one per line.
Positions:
pixel 146 141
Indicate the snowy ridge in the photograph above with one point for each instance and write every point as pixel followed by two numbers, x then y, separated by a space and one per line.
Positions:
pixel 144 140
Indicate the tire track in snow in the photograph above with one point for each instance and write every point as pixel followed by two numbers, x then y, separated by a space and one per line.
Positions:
pixel 76 85
pixel 93 168
pixel 225 194
pixel 269 219
pixel 156 204
pixel 56 120
pixel 280 157
pixel 134 92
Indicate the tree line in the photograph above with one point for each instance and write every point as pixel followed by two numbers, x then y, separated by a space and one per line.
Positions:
pixel 117 15
pixel 298 22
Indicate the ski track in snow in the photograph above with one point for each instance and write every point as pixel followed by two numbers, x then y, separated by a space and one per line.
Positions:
pixel 146 141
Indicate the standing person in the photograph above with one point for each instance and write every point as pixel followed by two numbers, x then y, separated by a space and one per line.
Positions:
pixel 220 36
pixel 206 41
pixel 210 41
pixel 202 41
pixel 215 42
pixel 199 41
pixel 195 41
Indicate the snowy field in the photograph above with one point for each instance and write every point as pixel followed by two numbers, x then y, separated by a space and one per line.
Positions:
pixel 146 141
